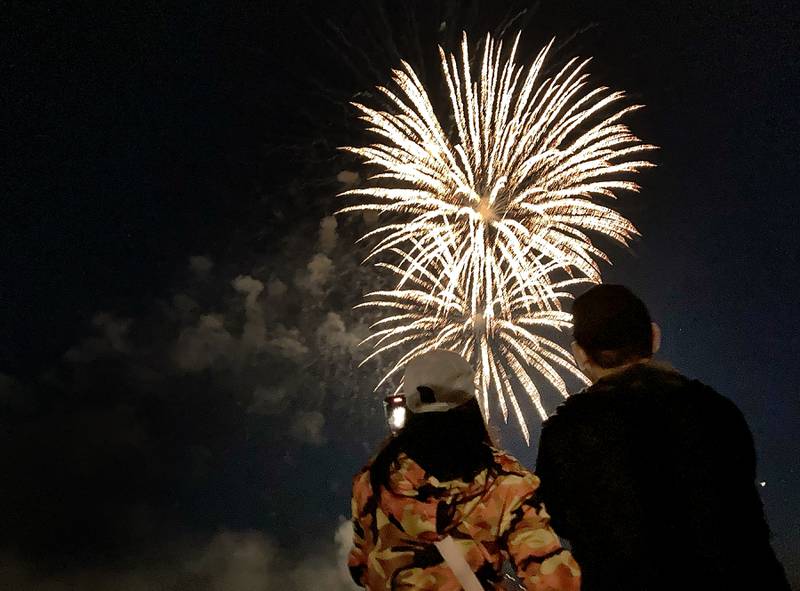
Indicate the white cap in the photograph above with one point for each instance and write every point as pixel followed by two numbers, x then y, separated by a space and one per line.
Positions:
pixel 437 381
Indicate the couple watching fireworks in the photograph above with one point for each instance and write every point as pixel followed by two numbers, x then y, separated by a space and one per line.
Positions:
pixel 649 475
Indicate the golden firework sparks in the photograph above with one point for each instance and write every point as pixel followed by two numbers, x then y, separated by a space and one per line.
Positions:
pixel 496 206
pixel 434 310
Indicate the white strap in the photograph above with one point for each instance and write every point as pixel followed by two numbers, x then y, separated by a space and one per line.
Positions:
pixel 458 564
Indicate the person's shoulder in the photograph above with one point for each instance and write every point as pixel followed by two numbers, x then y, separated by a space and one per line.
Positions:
pixel 656 387
pixel 362 488
pixel 602 401
pixel 700 389
pixel 643 378
pixel 362 479
pixel 618 390
pixel 511 475
pixel 506 463
pixel 580 407
pixel 711 403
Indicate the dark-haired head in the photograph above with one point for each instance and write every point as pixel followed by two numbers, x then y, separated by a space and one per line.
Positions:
pixel 447 445
pixel 612 329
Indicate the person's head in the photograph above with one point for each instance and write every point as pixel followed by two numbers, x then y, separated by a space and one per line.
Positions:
pixel 445 432
pixel 612 329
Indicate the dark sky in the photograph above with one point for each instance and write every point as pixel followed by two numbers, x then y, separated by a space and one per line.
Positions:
pixel 180 402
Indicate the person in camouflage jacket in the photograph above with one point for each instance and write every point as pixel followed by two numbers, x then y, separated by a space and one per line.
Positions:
pixel 476 494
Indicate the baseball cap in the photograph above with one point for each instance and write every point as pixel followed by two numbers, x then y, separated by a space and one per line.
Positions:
pixel 438 381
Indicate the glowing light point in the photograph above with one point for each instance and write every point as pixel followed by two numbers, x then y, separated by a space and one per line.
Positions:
pixel 397 419
pixel 485 210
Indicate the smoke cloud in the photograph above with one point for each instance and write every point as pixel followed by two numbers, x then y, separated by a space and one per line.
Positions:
pixel 204 445
pixel 229 561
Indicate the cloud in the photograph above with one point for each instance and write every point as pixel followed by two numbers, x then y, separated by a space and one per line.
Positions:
pixel 201 266
pixel 209 343
pixel 250 561
pixel 229 561
pixel 204 345
pixel 113 339
pixel 166 425
pixel 348 178
pixel 307 428
pixel 327 234
pixel 288 343
pixel 344 542
pixel 316 275
pixel 276 288
pixel 267 400
pixel 370 217
pixel 185 306
pixel 333 337
pixel 237 561
pixel 249 287
pixel 22 576
pixel 319 268
pixel 254 333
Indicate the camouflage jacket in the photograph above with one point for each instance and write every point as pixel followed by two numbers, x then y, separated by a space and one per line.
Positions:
pixel 494 517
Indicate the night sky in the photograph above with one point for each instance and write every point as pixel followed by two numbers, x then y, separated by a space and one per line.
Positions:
pixel 181 406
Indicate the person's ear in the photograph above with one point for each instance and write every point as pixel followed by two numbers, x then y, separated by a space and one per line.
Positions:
pixel 580 356
pixel 656 330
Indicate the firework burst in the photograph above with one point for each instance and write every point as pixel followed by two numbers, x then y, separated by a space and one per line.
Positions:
pixel 433 309
pixel 493 208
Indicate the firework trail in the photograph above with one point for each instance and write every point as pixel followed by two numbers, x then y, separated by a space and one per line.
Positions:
pixel 495 208
pixel 434 310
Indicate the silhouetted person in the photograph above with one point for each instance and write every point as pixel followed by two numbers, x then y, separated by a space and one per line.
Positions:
pixel 651 475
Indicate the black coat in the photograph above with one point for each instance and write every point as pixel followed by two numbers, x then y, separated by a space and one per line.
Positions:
pixel 651 477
